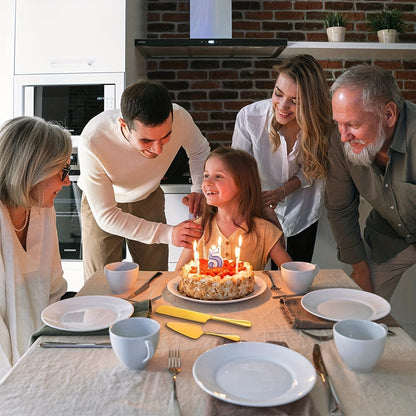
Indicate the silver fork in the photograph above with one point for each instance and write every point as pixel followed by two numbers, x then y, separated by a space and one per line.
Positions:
pixel 317 337
pixel 174 369
pixel 273 287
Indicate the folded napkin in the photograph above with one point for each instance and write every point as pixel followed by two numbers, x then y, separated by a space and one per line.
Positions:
pixel 301 407
pixel 300 318
pixel 141 309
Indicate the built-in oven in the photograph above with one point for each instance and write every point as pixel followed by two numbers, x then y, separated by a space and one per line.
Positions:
pixel 70 100
pixel 68 215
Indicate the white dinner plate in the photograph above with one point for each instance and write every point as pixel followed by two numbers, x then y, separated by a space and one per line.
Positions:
pixel 339 304
pixel 259 288
pixel 86 313
pixel 254 374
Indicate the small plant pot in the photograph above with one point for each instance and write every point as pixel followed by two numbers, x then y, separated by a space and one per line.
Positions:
pixel 336 34
pixel 387 36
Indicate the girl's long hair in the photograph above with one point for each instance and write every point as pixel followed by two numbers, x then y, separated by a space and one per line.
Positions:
pixel 313 113
pixel 243 168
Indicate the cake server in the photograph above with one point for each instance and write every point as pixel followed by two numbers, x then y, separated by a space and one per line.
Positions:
pixel 198 316
pixel 145 286
pixel 195 331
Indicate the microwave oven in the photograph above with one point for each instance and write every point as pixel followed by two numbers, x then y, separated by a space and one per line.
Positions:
pixel 68 99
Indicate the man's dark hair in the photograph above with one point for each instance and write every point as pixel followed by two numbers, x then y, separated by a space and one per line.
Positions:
pixel 147 102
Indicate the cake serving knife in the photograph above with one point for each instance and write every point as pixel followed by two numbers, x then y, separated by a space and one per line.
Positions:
pixel 198 316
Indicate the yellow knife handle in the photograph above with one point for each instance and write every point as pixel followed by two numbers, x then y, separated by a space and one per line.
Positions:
pixel 240 322
pixel 231 337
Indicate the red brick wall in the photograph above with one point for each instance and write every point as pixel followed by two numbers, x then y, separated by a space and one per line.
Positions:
pixel 213 90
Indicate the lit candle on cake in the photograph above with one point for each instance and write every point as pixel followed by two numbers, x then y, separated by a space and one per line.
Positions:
pixel 196 255
pixel 237 258
pixel 195 252
pixel 214 257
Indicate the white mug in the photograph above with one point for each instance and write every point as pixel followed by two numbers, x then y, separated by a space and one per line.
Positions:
pixel 360 343
pixel 134 341
pixel 121 275
pixel 298 275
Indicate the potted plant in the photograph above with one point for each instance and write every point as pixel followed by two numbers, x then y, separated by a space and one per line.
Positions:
pixel 387 24
pixel 335 24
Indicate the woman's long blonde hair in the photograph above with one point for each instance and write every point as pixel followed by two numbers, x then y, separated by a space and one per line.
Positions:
pixel 313 113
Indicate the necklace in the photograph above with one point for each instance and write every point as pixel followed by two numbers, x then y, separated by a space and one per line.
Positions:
pixel 24 225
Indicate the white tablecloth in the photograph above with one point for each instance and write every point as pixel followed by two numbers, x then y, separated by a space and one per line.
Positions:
pixel 94 382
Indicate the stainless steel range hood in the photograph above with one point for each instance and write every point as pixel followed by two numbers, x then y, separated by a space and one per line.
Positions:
pixel 209 48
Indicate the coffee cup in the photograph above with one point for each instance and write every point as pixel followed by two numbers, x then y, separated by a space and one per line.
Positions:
pixel 298 275
pixel 134 341
pixel 121 275
pixel 360 343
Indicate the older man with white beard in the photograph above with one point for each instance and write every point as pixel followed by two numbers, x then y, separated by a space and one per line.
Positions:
pixel 373 155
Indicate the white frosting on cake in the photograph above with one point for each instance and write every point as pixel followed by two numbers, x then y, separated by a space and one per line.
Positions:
pixel 202 286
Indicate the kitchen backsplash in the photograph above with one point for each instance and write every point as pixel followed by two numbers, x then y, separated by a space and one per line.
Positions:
pixel 213 90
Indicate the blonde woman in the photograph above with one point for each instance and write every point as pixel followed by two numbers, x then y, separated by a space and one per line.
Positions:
pixel 288 135
pixel 34 166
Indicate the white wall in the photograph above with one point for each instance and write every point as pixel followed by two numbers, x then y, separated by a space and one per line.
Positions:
pixel 6 59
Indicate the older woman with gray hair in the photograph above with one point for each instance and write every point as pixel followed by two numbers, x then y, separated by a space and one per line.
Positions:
pixel 34 166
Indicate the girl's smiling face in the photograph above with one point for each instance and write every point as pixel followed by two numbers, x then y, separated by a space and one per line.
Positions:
pixel 218 185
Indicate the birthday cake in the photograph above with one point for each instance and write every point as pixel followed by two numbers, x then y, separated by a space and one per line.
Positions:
pixel 216 283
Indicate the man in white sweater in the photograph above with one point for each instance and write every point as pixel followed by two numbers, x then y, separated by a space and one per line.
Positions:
pixel 123 156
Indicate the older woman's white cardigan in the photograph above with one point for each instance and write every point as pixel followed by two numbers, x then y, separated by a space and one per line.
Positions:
pixel 30 280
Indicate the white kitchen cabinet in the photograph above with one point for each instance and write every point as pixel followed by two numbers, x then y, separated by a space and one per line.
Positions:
pixel 176 212
pixel 7 8
pixel 70 36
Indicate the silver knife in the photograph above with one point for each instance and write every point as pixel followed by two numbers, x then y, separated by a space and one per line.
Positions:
pixel 143 287
pixel 59 344
pixel 334 405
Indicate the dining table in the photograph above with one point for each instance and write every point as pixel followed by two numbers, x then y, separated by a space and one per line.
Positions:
pixel 92 381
